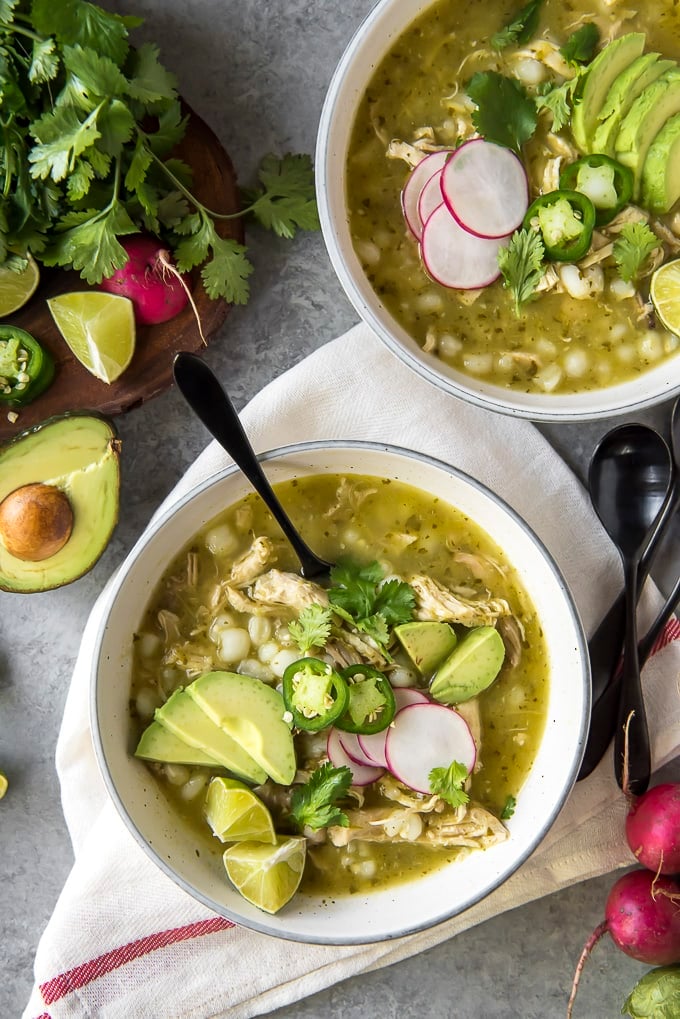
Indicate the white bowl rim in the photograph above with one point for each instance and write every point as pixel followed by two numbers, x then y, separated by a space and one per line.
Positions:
pixel 158 522
pixel 560 408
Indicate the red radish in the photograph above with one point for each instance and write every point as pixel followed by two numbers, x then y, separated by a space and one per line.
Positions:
pixel 418 178
pixel 642 916
pixel 427 736
pixel 653 829
pixel 373 745
pixel 349 741
pixel 455 257
pixel 338 756
pixel 155 290
pixel 430 197
pixel 486 188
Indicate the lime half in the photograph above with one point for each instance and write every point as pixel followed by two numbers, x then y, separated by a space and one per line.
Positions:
pixel 267 876
pixel 99 328
pixel 17 288
pixel 665 293
pixel 236 814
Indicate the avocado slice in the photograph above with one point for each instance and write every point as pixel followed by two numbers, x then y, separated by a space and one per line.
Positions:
pixel 182 716
pixel 77 455
pixel 426 643
pixel 648 114
pixel 252 714
pixel 661 170
pixel 159 744
pixel 471 667
pixel 626 88
pixel 598 79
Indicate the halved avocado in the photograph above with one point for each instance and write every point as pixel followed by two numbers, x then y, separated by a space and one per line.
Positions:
pixel 600 76
pixel 648 114
pixel 626 88
pixel 661 170
pixel 65 469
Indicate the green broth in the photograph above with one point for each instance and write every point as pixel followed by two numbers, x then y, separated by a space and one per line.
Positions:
pixel 407 531
pixel 559 344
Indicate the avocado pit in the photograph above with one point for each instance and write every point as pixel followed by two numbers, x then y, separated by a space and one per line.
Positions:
pixel 36 521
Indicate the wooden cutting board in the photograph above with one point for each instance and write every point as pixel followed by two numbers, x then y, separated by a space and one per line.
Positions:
pixel 150 372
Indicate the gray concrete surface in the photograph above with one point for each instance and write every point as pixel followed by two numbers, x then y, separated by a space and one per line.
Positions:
pixel 257 71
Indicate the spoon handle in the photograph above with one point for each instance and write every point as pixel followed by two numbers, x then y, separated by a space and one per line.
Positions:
pixel 206 397
pixel 632 757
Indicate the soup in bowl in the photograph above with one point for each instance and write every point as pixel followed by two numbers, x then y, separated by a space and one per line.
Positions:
pixel 351 760
pixel 495 195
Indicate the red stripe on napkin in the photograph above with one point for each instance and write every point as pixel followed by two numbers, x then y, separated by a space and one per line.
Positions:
pixel 670 632
pixel 58 987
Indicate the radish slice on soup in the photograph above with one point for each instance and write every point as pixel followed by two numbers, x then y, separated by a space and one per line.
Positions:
pixel 417 180
pixel 351 744
pixel 430 197
pixel 486 189
pixel 457 258
pixel 373 745
pixel 427 736
pixel 339 758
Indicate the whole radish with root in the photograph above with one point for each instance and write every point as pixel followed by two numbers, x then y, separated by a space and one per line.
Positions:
pixel 157 289
pixel 642 917
pixel 653 828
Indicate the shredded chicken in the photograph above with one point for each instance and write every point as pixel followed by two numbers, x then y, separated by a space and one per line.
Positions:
pixel 480 566
pixel 470 711
pixel 349 498
pixel 512 632
pixel 278 588
pixel 470 826
pixel 434 601
pixel 402 150
pixel 169 624
pixel 252 563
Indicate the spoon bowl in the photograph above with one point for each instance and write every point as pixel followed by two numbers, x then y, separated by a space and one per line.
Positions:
pixel 629 481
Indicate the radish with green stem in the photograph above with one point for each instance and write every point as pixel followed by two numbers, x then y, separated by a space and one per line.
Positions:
pixel 158 291
pixel 642 917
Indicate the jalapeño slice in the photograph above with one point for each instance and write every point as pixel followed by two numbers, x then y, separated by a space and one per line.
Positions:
pixel 565 219
pixel 314 694
pixel 26 368
pixel 371 705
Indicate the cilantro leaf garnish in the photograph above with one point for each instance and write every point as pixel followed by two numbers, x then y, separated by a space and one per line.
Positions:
pixel 285 200
pixel 632 248
pixel 505 114
pixel 313 805
pixel 558 100
pixel 521 264
pixel 520 29
pixel 358 596
pixel 448 783
pixel 312 627
pixel 509 808
pixel 581 45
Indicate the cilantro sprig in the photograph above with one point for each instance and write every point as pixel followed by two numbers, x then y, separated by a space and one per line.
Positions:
pixel 522 265
pixel 505 114
pixel 312 627
pixel 361 597
pixel 88 128
pixel 314 804
pixel 632 249
pixel 520 28
pixel 581 45
pixel 448 783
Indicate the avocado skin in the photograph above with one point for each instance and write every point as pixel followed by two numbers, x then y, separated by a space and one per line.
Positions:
pixel 79 454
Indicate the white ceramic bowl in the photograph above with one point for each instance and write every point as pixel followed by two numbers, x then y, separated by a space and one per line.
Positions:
pixel 372 40
pixel 381 914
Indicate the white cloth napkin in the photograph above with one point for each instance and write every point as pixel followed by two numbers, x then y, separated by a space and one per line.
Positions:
pixel 123 940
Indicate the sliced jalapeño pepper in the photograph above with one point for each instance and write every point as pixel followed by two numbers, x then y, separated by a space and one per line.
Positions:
pixel 607 183
pixel 314 694
pixel 565 220
pixel 371 704
pixel 26 368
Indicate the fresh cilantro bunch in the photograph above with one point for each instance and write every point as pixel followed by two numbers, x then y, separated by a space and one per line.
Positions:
pixel 88 127
pixel 313 805
pixel 360 596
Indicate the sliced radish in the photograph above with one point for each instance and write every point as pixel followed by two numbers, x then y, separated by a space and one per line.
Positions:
pixel 455 257
pixel 430 197
pixel 427 736
pixel 486 188
pixel 349 741
pixel 339 758
pixel 373 745
pixel 417 180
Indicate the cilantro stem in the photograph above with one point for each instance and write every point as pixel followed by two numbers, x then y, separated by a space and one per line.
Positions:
pixel 187 194
pixel 23 31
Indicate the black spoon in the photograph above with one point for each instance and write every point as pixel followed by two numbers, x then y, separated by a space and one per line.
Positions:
pixel 629 479
pixel 206 397
pixel 606 643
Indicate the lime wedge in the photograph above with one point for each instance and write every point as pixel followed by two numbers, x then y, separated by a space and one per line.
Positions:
pixel 267 876
pixel 3 784
pixel 665 293
pixel 16 288
pixel 99 328
pixel 236 814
